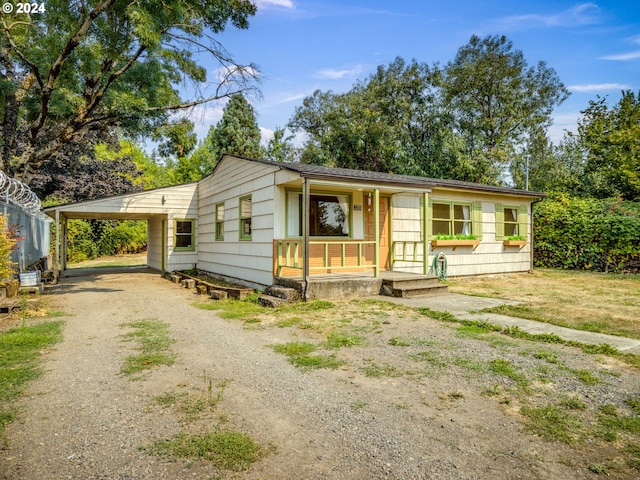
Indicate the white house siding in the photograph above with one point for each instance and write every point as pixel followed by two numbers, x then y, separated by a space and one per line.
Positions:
pixel 177 202
pixel 154 242
pixel 406 226
pixel 246 260
pixel 490 256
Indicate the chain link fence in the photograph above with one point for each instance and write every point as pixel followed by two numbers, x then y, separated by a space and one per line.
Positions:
pixel 23 209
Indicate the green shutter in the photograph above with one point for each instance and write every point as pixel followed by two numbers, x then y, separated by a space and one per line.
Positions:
pixel 523 220
pixel 499 221
pixel 476 219
pixel 428 222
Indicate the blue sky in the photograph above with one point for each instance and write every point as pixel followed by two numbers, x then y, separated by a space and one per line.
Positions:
pixel 304 45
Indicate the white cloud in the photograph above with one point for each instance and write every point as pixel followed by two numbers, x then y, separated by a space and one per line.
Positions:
pixel 562 123
pixel 581 14
pixel 598 87
pixel 623 57
pixel 276 3
pixel 334 74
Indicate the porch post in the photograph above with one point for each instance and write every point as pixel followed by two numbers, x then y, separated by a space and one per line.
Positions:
pixel 376 231
pixel 56 260
pixel 425 229
pixel 63 260
pixel 305 234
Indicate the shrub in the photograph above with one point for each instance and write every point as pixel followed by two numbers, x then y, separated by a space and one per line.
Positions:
pixel 588 234
pixel 8 244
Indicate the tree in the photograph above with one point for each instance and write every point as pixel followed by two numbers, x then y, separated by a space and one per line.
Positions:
pixel 497 98
pixel 280 147
pixel 199 163
pixel 611 140
pixel 392 122
pixel 237 132
pixel 150 173
pixel 97 65
pixel 85 171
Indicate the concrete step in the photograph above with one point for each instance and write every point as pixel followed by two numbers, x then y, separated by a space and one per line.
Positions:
pixel 404 286
pixel 416 291
pixel 286 293
pixel 270 301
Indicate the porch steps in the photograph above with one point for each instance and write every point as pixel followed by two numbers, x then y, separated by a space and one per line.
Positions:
pixel 277 295
pixel 410 285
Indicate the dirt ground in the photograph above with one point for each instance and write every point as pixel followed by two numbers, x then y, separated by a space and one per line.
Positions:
pixel 85 420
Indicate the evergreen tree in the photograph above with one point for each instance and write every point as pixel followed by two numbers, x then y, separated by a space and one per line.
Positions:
pixel 237 132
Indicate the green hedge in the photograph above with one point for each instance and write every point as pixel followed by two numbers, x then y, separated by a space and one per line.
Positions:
pixel 90 239
pixel 588 234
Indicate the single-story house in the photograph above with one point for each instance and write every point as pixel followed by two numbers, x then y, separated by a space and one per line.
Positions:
pixel 251 221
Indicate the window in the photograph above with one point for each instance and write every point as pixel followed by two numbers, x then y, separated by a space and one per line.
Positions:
pixel 245 218
pixel 511 221
pixel 220 221
pixel 451 219
pixel 328 215
pixel 184 234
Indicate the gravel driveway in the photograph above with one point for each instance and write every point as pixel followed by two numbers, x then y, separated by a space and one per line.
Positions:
pixel 85 420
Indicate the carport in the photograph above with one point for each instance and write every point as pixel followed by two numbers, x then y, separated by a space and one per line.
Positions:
pixel 164 209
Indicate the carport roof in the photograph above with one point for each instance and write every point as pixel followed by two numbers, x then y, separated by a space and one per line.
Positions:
pixel 117 207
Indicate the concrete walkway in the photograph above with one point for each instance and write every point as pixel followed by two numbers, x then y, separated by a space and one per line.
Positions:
pixel 466 307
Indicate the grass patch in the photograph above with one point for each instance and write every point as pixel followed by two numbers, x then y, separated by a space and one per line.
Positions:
pixel 153 345
pixel 399 342
pixel 379 371
pixel 437 314
pixel 505 369
pixel 227 450
pixel 573 403
pixel 552 423
pixel 611 423
pixel 189 405
pixel 430 358
pixel 300 355
pixel 295 349
pixel 20 352
pixel 586 377
pixel 565 298
pixel 337 340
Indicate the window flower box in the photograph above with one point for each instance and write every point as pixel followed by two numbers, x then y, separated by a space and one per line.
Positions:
pixel 514 243
pixel 454 243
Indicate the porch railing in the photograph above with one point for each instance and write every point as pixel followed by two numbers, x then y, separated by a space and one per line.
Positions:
pixel 401 255
pixel 324 255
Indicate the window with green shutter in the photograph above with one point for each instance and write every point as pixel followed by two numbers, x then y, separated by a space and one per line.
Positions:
pixel 511 221
pixel 220 221
pixel 184 234
pixel 245 218
pixel 452 219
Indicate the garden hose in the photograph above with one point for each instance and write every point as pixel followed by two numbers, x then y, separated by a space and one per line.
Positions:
pixel 439 266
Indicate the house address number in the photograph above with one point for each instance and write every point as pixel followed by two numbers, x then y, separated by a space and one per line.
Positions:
pixel 357 208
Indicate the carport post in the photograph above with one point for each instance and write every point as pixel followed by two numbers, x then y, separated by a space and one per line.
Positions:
pixel 56 260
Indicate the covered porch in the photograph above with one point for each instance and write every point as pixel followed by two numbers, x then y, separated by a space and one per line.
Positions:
pixel 347 228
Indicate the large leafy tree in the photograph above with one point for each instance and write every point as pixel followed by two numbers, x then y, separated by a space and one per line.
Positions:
pixel 392 122
pixel 497 99
pixel 280 147
pixel 86 170
pixel 199 163
pixel 610 137
pixel 95 65
pixel 237 132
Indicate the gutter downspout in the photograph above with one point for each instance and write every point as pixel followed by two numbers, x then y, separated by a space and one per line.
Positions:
pixel 56 262
pixel 533 202
pixel 305 233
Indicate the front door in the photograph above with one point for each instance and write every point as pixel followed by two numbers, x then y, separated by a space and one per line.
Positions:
pixel 383 218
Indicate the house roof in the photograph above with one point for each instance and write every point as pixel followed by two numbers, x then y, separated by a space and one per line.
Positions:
pixel 365 176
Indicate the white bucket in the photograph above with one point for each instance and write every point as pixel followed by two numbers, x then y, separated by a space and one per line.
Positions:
pixel 29 279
